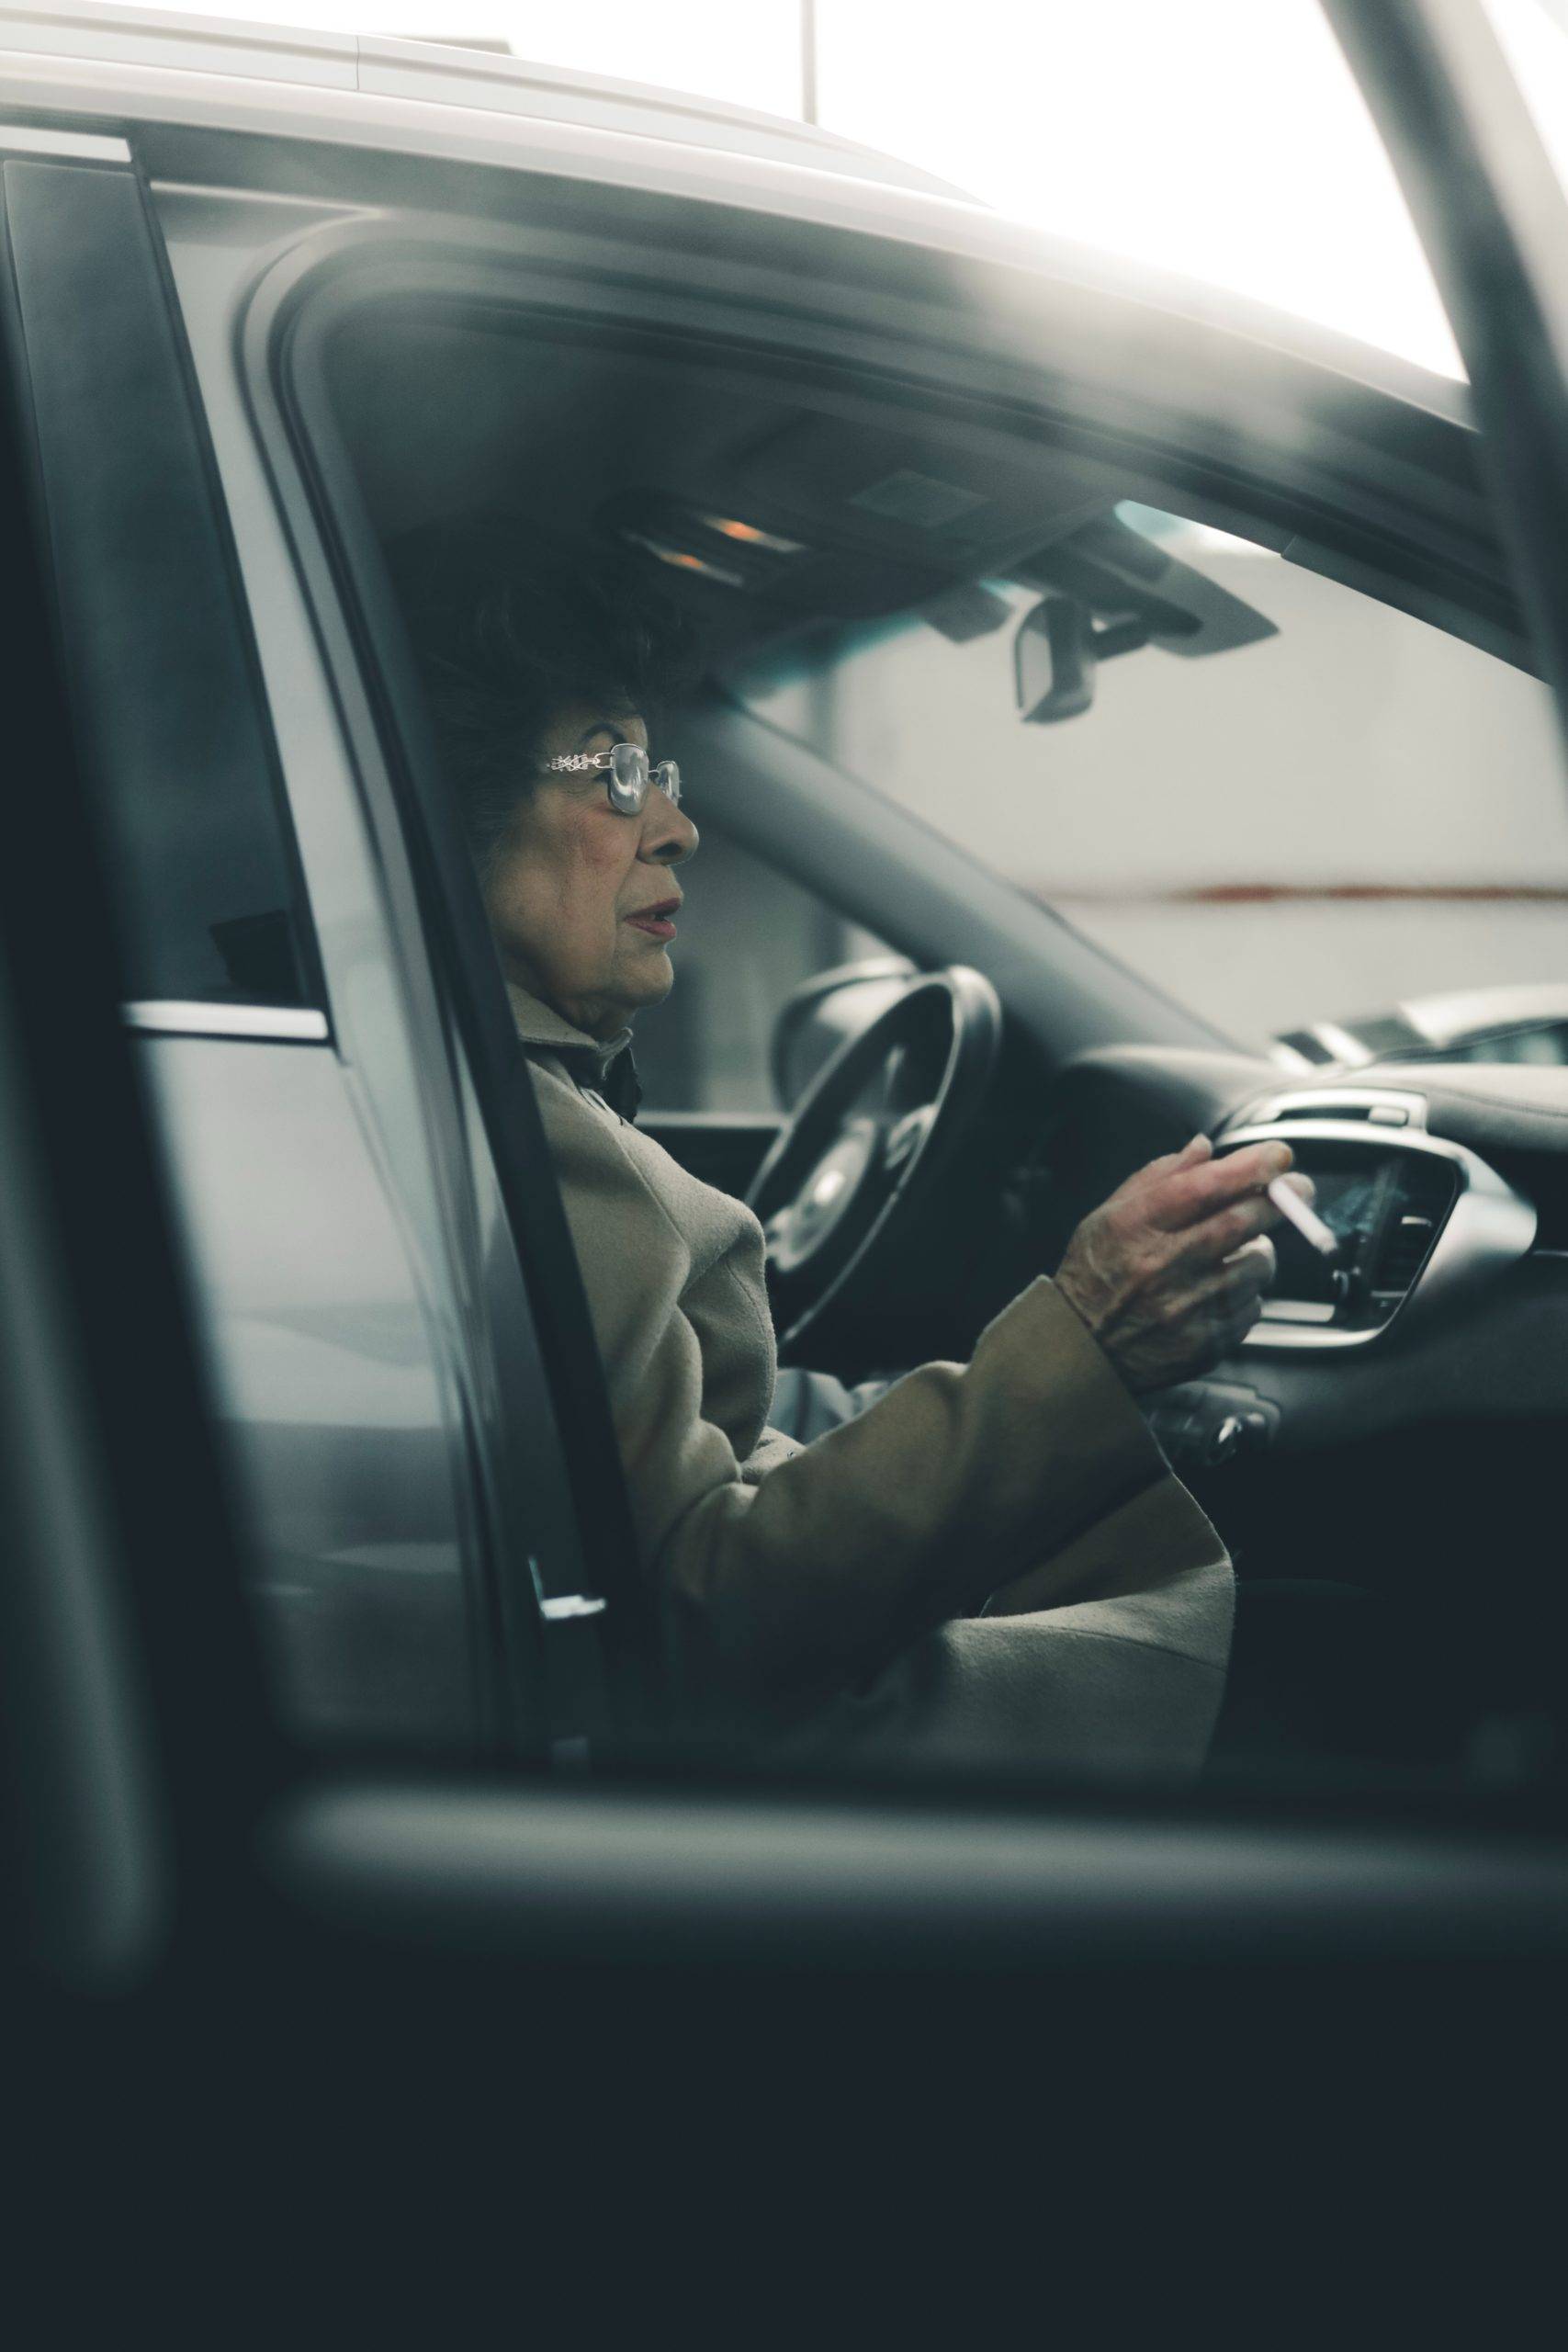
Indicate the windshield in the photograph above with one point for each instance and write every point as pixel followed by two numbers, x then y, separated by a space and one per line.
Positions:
pixel 1347 812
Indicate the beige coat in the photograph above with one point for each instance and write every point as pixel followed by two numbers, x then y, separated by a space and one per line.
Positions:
pixel 825 1594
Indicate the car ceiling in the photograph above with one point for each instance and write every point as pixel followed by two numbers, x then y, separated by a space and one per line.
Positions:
pixel 450 415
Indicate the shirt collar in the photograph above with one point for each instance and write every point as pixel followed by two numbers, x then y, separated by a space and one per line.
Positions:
pixel 540 1024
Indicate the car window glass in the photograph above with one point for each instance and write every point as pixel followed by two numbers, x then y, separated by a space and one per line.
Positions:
pixel 174 730
pixel 1348 813
pixel 750 937
pixel 539 447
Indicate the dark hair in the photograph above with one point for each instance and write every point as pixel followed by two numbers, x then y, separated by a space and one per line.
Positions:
pixel 509 625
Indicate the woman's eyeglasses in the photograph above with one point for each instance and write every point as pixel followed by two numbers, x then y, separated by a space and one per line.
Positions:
pixel 629 775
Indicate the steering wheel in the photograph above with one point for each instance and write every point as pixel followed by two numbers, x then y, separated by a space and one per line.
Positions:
pixel 851 1195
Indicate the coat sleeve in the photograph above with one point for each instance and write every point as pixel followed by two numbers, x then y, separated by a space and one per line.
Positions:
pixel 779 1593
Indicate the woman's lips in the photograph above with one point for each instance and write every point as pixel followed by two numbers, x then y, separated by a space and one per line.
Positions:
pixel 658 926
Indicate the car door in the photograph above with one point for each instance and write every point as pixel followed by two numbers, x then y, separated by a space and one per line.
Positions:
pixel 317 1160
pixel 401 1900
pixel 541 1874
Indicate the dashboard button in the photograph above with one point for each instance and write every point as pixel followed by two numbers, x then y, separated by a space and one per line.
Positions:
pixel 1388 1115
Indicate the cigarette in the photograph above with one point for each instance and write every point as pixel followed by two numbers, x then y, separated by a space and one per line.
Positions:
pixel 1308 1224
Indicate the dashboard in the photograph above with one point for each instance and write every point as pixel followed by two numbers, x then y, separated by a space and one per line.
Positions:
pixel 1394 1422
pixel 1446 1308
pixel 1447 1305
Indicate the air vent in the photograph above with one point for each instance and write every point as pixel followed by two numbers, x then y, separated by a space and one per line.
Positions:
pixel 1325 1106
pixel 1426 1196
pixel 1377 1107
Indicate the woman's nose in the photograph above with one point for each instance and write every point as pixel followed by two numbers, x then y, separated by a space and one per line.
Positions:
pixel 669 836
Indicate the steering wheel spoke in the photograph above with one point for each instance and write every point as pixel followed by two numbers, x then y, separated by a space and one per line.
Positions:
pixel 906 1139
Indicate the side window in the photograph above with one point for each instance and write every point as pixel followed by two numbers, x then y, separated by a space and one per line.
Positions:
pixel 750 936
pixel 455 423
pixel 173 729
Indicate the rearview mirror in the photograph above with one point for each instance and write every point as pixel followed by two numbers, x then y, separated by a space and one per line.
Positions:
pixel 1110 589
pixel 1053 660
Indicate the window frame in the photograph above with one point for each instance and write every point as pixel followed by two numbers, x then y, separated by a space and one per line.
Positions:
pixel 290 310
pixel 569 1592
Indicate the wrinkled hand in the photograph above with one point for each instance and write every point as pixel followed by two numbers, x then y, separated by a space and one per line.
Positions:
pixel 1168 1273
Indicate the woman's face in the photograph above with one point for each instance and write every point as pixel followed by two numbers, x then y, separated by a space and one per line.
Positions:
pixel 581 898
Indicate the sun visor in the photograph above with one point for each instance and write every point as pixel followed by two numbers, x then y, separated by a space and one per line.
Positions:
pixel 960 508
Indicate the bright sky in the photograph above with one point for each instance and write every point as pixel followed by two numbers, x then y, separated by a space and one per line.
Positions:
pixel 1224 139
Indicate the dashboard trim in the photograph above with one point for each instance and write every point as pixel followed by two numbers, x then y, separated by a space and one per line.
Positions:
pixel 1300 1102
pixel 1490 1227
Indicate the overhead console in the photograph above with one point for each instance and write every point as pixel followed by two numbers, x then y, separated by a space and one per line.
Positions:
pixel 768 494
pixel 1420 1219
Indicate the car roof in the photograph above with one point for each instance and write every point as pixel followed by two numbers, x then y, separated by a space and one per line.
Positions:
pixel 124 65
pixel 355 119
pixel 458 76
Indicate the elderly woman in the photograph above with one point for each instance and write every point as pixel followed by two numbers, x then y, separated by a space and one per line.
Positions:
pixel 994 1558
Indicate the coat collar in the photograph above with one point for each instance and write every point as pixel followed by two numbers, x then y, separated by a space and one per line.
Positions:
pixel 603 1063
